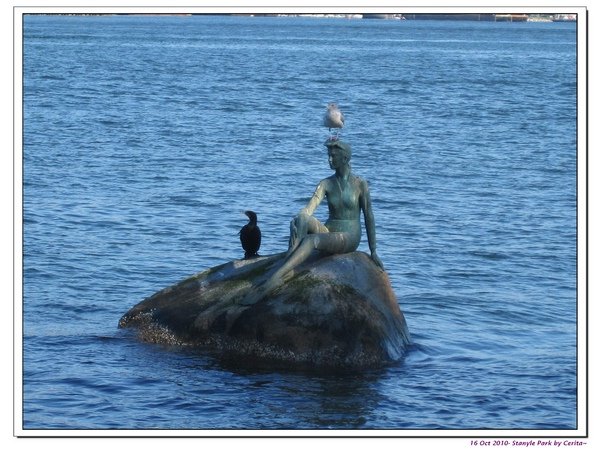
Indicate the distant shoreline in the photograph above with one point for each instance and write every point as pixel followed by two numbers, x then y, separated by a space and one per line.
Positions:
pixel 473 17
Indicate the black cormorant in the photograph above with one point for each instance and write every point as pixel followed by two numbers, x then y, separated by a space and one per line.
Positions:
pixel 250 236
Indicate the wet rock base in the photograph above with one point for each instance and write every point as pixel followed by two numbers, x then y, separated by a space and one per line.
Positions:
pixel 333 312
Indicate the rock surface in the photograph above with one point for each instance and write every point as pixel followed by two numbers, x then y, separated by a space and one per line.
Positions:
pixel 335 311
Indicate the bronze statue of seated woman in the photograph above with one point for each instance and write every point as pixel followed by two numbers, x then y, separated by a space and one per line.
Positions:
pixel 347 195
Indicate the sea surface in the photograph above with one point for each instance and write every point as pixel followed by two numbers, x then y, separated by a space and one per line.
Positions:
pixel 146 137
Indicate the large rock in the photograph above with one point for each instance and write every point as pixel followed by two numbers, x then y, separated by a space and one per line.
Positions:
pixel 335 311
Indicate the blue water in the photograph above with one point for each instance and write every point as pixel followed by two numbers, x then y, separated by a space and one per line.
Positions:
pixel 146 137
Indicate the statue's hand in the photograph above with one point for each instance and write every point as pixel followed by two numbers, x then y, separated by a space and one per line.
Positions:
pixel 376 260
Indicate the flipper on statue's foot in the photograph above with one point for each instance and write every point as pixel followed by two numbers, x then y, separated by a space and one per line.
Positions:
pixel 252 297
pixel 259 292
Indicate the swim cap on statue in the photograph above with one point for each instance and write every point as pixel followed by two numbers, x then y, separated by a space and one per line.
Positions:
pixel 344 146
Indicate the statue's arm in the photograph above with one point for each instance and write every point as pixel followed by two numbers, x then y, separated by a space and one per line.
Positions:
pixel 315 199
pixel 365 204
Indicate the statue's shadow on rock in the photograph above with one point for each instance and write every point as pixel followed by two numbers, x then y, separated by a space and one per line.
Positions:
pixel 333 312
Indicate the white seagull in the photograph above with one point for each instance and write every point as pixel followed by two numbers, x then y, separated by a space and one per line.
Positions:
pixel 333 117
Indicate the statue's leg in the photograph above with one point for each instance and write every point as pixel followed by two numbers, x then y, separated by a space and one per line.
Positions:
pixel 336 242
pixel 301 226
pixel 331 243
pixel 302 229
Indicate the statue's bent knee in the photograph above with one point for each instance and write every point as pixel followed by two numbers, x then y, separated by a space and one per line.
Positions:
pixel 303 217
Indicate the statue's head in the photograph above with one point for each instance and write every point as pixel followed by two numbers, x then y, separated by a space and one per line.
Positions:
pixel 342 147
